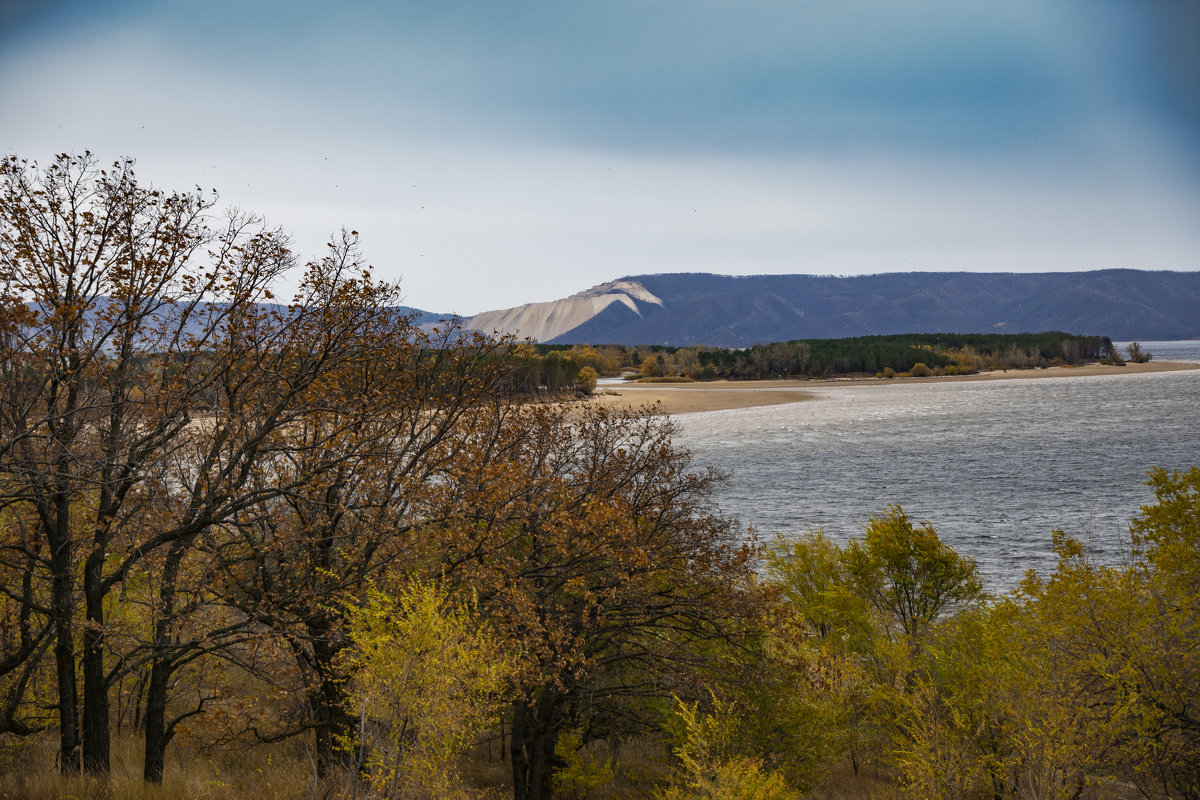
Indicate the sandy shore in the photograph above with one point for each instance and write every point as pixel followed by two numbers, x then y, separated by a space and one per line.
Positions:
pixel 686 398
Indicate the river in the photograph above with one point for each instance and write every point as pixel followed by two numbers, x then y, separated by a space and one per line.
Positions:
pixel 995 466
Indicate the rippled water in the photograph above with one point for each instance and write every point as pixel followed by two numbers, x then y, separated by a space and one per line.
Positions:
pixel 995 465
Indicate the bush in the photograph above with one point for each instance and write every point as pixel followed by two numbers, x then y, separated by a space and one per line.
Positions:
pixel 579 774
pixel 709 766
pixel 920 370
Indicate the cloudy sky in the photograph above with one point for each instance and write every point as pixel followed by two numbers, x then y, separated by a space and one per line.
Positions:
pixel 502 152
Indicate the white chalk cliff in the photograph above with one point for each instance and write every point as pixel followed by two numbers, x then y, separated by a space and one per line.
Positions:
pixel 544 321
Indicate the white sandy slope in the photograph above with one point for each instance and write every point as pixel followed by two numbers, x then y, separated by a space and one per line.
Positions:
pixel 544 321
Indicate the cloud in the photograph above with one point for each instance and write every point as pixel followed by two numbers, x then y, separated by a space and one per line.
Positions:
pixel 495 154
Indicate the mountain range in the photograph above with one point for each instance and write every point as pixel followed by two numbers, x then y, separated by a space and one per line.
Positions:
pixel 687 309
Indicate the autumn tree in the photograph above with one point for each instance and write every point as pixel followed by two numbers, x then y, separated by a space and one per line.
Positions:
pixel 869 608
pixel 1136 354
pixel 121 294
pixel 814 683
pixel 26 631
pixel 585 383
pixel 152 398
pixel 393 423
pixel 712 765
pixel 1128 634
pixel 591 545
pixel 652 367
pixel 1086 677
pixel 1166 538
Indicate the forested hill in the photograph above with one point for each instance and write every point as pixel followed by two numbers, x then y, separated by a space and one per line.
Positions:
pixel 725 311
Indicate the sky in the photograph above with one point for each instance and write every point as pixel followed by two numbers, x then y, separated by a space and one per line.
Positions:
pixel 493 153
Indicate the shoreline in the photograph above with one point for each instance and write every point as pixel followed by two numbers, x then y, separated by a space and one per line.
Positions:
pixel 723 395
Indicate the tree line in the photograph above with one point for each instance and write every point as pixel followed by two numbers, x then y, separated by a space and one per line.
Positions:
pixel 883 356
pixel 228 522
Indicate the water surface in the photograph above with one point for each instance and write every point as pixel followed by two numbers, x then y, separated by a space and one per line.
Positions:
pixel 994 465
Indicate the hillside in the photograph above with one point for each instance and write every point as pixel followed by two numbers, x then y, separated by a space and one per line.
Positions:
pixel 736 311
pixel 548 321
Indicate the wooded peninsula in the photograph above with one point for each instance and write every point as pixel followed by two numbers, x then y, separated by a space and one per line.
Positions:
pixel 554 368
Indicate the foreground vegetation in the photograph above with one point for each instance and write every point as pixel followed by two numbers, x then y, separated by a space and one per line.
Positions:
pixel 314 550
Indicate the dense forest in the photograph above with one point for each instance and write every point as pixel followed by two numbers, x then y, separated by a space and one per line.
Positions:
pixel 315 550
pixel 915 354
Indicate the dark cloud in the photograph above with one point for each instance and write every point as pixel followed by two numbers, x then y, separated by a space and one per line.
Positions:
pixel 1174 26
pixel 578 141
pixel 772 74
pixel 22 19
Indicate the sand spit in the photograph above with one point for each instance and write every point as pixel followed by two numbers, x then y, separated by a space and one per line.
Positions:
pixel 686 398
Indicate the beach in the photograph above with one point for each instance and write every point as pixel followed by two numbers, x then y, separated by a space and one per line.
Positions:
pixel 687 398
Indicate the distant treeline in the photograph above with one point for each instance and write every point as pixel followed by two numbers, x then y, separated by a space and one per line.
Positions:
pixel 555 367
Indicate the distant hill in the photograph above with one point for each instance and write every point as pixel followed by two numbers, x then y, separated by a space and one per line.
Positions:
pixel 737 311
pixel 549 321
pixel 421 317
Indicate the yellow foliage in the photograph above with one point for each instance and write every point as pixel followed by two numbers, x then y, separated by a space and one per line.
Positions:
pixel 586 380
pixel 580 773
pixel 426 679
pixel 710 769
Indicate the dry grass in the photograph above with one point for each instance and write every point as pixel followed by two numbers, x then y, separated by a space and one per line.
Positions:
pixel 842 784
pixel 262 773
pixel 285 771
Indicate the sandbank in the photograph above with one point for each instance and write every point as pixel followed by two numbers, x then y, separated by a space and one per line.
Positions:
pixel 687 398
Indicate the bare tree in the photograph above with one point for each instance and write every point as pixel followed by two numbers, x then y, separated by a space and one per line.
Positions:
pixel 143 386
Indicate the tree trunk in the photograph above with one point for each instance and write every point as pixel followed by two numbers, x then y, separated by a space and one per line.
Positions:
pixel 534 734
pixel 328 698
pixel 157 735
pixel 156 720
pixel 64 655
pixel 95 682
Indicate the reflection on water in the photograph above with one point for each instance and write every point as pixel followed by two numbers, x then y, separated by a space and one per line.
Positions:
pixel 995 466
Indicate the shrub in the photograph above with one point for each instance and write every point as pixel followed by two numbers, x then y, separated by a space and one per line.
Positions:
pixel 709 766
pixel 580 773
pixel 920 370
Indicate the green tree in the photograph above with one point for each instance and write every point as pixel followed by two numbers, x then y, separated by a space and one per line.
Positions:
pixel 908 574
pixel 812 572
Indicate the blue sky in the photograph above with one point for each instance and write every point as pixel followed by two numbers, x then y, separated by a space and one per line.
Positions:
pixel 495 153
